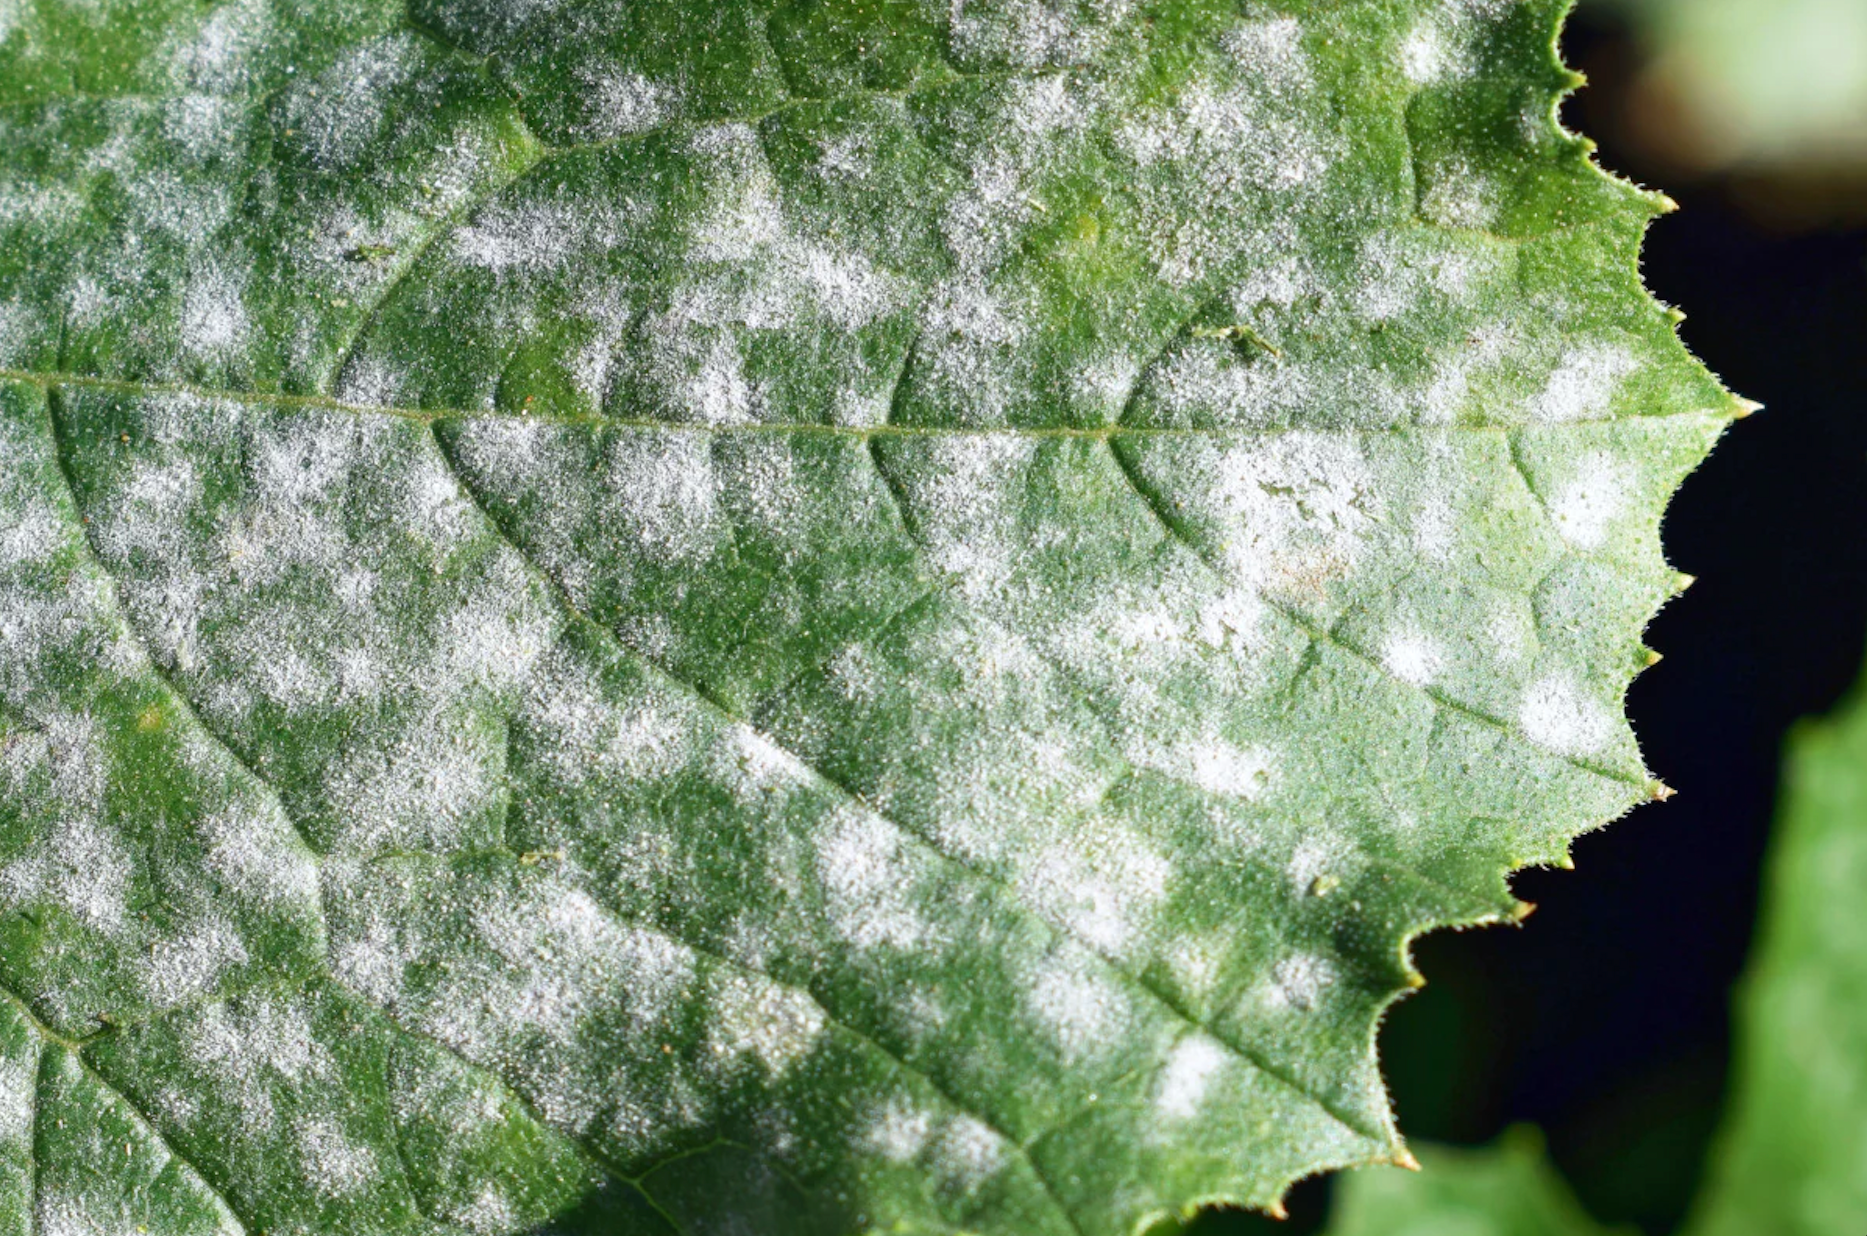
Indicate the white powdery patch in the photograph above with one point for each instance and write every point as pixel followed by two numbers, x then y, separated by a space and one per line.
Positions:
pixel 18 1091
pixel 1102 888
pixel 1435 528
pixel 373 961
pixel 968 328
pixel 419 787
pixel 1219 144
pixel 185 968
pixel 245 1052
pixel 774 1025
pixel 1221 767
pixel 495 640
pixel 753 766
pixel 333 118
pixel 1587 506
pixel 660 484
pixel 1557 716
pixel 964 504
pixel 1313 858
pixel 568 959
pixel 1270 52
pixel 967 1153
pixel 1583 384
pixel 1104 385
pixel 1443 45
pixel 1459 195
pixel 1510 632
pixel 899 1131
pixel 202 124
pixel 538 237
pixel 1412 656
pixel 1081 1011
pixel 1299 982
pixel 1192 1066
pixel 1294 512
pixel 77 867
pixel 867 873
pixel 1406 270
pixel 587 736
pixel 332 1164
pixel 620 102
pixel 490 1213
pixel 1234 619
pixel 1280 284
pixel 1424 56
pixel 255 850
pixel 1031 34
pixel 220 56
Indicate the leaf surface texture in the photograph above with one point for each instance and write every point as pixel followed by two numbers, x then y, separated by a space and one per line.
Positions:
pixel 827 615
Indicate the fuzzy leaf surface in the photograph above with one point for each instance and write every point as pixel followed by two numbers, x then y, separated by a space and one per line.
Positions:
pixel 795 616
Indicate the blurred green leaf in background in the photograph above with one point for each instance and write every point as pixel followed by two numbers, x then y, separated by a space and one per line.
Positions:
pixel 1761 86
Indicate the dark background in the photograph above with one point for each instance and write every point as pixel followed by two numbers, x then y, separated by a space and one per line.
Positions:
pixel 1605 1019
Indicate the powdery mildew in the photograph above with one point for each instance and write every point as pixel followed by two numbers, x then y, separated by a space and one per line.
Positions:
pixel 877 646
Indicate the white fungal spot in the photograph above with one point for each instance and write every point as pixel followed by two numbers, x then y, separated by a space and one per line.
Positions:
pixel 1191 1067
pixel 1221 767
pixel 967 1152
pixel 332 1164
pixel 866 874
pixel 773 1024
pixel 18 1088
pixel 1299 982
pixel 1585 508
pixel 899 1132
pixel 623 102
pixel 1583 385
pixel 1078 1009
pixel 1411 656
pixel 1556 715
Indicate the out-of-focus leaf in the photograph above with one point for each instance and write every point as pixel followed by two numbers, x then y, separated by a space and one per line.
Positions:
pixel 1792 1159
pixel 1508 1189
pixel 1775 85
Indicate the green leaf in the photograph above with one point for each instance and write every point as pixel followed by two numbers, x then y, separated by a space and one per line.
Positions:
pixel 1508 1189
pixel 802 617
pixel 1789 1157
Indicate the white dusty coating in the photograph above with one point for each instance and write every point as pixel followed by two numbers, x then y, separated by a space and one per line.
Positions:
pixel 943 598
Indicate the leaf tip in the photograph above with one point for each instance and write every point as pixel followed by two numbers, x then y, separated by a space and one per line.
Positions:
pixel 1651 657
pixel 1522 910
pixel 1682 581
pixel 1746 407
pixel 1660 791
pixel 1276 1210
pixel 1404 1159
